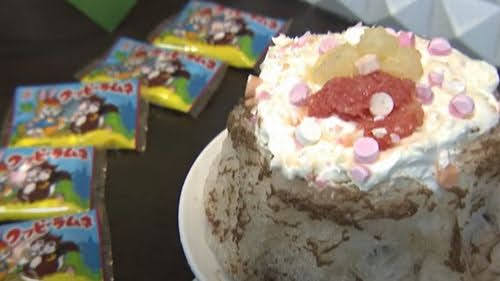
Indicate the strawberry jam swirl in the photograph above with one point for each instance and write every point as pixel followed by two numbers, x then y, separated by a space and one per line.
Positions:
pixel 349 99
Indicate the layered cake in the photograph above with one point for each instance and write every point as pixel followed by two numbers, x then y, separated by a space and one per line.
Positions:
pixel 365 155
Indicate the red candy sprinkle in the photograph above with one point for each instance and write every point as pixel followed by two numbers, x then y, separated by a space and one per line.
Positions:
pixel 349 98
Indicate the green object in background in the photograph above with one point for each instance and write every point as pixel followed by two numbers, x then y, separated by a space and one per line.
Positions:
pixel 107 13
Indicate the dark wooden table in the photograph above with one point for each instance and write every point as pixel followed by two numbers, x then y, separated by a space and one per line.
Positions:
pixel 48 41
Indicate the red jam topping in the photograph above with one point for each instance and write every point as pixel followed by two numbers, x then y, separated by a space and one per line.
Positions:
pixel 349 98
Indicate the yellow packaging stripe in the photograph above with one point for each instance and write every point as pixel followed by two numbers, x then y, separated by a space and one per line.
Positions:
pixel 37 210
pixel 230 54
pixel 97 138
pixel 165 97
pixel 161 96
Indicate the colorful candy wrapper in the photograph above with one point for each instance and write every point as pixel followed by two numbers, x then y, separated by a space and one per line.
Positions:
pixel 172 79
pixel 105 115
pixel 67 248
pixel 239 38
pixel 46 182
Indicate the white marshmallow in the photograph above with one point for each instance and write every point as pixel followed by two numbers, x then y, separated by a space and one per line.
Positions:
pixel 379 132
pixel 367 64
pixel 308 132
pixel 381 104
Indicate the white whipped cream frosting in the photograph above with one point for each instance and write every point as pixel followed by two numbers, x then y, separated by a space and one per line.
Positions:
pixel 327 161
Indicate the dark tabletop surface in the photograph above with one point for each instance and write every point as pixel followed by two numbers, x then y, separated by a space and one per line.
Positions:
pixel 48 41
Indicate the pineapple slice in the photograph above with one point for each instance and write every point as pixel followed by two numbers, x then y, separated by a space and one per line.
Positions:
pixel 338 62
pixel 403 63
pixel 399 61
pixel 377 41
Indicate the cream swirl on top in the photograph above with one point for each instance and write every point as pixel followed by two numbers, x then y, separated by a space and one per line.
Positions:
pixel 329 158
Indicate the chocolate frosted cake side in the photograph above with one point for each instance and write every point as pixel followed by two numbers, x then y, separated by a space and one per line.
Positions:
pixel 283 204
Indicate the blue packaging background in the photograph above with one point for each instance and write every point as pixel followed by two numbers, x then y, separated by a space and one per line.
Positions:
pixel 262 34
pixel 88 240
pixel 80 169
pixel 200 75
pixel 127 104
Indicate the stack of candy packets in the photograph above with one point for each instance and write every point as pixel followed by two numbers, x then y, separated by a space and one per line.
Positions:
pixel 169 78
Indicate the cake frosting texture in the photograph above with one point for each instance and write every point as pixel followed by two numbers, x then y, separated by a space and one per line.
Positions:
pixel 415 156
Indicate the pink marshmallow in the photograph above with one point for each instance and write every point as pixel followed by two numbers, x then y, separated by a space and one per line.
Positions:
pixel 299 93
pixel 366 150
pixel 406 39
pixel 360 173
pixel 424 94
pixel 436 78
pixel 327 44
pixel 439 47
pixel 264 95
pixel 461 106
pixel 367 64
pixel 395 138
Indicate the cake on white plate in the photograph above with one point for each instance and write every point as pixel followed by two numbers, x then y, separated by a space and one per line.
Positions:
pixel 363 155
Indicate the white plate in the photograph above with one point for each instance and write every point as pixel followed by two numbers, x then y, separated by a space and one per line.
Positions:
pixel 192 219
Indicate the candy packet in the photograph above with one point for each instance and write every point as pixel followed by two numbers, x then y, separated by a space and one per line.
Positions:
pixel 239 38
pixel 105 115
pixel 172 79
pixel 67 248
pixel 46 182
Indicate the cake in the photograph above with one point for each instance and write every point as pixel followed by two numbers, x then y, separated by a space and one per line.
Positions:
pixel 364 155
